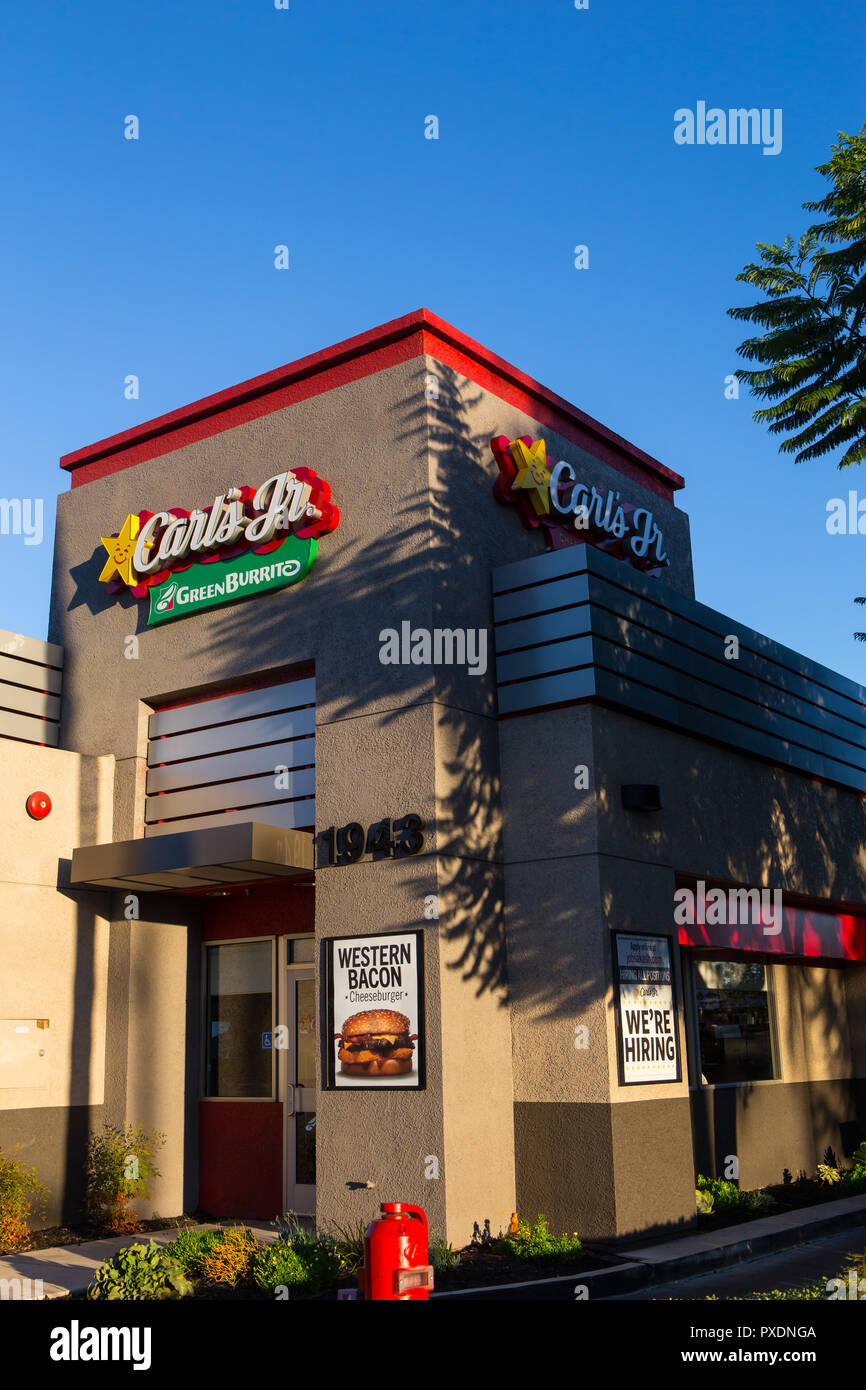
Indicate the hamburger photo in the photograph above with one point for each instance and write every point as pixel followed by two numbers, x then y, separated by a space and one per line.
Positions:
pixel 376 1042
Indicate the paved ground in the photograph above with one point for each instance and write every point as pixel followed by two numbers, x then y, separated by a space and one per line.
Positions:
pixel 824 1257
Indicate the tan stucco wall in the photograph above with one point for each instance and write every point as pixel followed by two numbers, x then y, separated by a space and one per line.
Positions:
pixel 54 943
pixel 156 1052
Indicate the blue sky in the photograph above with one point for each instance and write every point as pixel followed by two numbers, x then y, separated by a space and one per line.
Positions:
pixel 306 127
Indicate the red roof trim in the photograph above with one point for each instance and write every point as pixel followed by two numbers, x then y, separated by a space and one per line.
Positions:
pixel 374 351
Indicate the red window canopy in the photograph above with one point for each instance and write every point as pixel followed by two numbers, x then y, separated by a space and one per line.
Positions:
pixel 804 932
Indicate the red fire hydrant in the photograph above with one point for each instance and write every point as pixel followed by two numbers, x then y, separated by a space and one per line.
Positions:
pixel 395 1256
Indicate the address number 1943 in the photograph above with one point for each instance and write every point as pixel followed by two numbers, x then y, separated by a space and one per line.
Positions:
pixel 385 839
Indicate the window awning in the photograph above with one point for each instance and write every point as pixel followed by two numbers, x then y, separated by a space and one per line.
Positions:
pixel 246 852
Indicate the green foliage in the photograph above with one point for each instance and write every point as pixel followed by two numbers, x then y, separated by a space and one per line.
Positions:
pixel 851 1180
pixel 827 1174
pixel 308 1261
pixel 705 1201
pixel 119 1168
pixel 536 1242
pixel 724 1195
pixel 812 353
pixel 140 1272
pixel 279 1265
pixel 815 1291
pixel 442 1255
pixel 192 1248
pixel 305 1266
pixel 349 1244
pixel 291 1226
pixel 22 1196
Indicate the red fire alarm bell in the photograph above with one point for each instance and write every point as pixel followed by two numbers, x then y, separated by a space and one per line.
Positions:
pixel 38 805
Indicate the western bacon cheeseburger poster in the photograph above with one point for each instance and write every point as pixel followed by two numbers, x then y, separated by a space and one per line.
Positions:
pixel 376 1011
pixel 647 1016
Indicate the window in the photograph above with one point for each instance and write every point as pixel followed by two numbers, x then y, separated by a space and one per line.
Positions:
pixel 239 1020
pixel 733 1021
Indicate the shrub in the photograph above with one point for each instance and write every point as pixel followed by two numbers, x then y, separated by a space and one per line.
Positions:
pixel 854 1179
pixel 828 1174
pixel 280 1265
pixel 191 1248
pixel 316 1259
pixel 22 1196
pixel 536 1242
pixel 442 1256
pixel 119 1168
pixel 140 1272
pixel 307 1266
pixel 815 1291
pixel 349 1245
pixel 231 1258
pixel 719 1194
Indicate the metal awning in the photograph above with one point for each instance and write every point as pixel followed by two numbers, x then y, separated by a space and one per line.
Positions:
pixel 246 852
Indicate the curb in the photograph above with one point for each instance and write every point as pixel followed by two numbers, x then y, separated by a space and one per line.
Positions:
pixel 636 1274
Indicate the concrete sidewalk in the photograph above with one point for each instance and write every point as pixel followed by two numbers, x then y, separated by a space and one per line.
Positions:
pixel 68 1269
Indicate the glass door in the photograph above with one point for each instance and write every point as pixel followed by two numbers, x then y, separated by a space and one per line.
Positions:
pixel 300 1057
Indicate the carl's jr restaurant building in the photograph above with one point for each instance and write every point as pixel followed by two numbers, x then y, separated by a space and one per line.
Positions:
pixel 385 819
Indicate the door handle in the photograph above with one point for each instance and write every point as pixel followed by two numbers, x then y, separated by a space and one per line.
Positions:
pixel 292 1089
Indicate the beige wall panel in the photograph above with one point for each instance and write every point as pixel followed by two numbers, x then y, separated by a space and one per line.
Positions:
pixel 54 946
pixel 157 1052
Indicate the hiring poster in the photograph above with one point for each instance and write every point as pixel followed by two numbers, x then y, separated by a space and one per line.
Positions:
pixel 646 1009
pixel 375 1035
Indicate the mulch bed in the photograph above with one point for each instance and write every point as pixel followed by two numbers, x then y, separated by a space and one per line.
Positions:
pixel 806 1192
pixel 480 1265
pixel 81 1235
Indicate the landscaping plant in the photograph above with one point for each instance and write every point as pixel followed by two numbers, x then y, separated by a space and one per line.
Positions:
pixel 22 1196
pixel 537 1242
pixel 442 1255
pixel 279 1265
pixel 720 1194
pixel 140 1272
pixel 306 1266
pixel 323 1255
pixel 349 1245
pixel 231 1258
pixel 827 1174
pixel 119 1168
pixel 191 1248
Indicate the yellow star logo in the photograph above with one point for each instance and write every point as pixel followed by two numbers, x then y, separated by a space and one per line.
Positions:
pixel 120 552
pixel 533 475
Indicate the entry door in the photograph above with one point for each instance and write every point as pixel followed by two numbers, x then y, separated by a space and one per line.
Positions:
pixel 299 1096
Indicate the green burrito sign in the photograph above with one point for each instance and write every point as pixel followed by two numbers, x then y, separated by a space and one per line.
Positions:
pixel 246 542
pixel 199 587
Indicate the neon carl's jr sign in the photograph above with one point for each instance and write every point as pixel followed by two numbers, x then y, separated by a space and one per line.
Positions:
pixel 247 541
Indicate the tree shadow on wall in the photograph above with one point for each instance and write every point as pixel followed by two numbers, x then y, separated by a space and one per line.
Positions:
pixel 430 565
